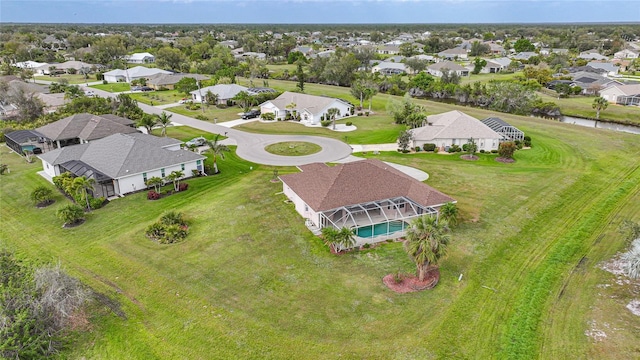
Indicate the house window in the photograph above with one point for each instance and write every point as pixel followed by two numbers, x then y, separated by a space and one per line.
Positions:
pixel 162 172
pixel 306 207
pixel 144 177
pixel 182 167
pixel 198 162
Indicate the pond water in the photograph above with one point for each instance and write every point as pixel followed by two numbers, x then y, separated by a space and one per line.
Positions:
pixel 601 125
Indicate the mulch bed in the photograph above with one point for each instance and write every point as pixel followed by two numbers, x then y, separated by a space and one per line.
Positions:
pixel 72 225
pixel 505 160
pixel 469 157
pixel 410 283
pixel 44 204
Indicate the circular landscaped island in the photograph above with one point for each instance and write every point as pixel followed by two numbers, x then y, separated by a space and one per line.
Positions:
pixel 293 148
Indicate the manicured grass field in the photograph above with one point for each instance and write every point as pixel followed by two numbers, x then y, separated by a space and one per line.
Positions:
pixel 186 133
pixel 211 112
pixel 71 78
pixel 251 281
pixel 582 107
pixel 158 97
pixel 113 87
pixel 293 148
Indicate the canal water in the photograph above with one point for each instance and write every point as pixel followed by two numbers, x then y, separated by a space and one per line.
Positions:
pixel 601 125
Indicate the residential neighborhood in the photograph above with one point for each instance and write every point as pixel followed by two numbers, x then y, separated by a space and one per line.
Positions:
pixel 297 190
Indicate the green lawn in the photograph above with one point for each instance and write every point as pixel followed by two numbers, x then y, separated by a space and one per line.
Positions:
pixel 293 148
pixel 581 106
pixel 158 97
pixel 186 133
pixel 210 112
pixel 113 87
pixel 484 78
pixel 251 281
pixel 71 78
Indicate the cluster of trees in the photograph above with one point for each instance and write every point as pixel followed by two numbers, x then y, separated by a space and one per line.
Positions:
pixel 38 305
pixel 80 189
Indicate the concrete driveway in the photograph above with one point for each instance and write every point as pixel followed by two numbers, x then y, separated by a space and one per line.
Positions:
pixel 251 146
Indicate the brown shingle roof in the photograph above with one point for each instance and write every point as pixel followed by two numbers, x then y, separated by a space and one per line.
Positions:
pixel 324 188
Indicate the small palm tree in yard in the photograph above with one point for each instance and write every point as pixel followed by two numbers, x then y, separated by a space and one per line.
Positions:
pixel 164 120
pixel 70 214
pixel 42 195
pixel 332 114
pixel 148 122
pixel 338 239
pixel 175 177
pixel 216 149
pixel 449 212
pixel 156 182
pixel 426 243
pixel 599 104
pixel 82 186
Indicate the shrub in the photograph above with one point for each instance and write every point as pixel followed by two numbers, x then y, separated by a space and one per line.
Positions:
pixel 481 151
pixel 518 144
pixel 397 278
pixel 41 194
pixel 195 172
pixel 96 203
pixel 366 113
pixel 202 117
pixel 3 168
pixel 268 116
pixel 494 151
pixel 221 106
pixel 171 228
pixel 527 141
pixel 429 147
pixel 418 148
pixel 405 151
pixel 465 147
pixel 183 186
pixel 435 150
pixel 153 195
pixel 352 111
pixel 359 114
pixel 325 123
pixel 506 149
pixel 349 123
pixel 454 148
pixel 70 214
pixel 172 217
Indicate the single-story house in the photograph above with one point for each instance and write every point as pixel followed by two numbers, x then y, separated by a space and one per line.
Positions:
pixel 503 61
pixel 370 197
pixel 424 57
pixel 84 127
pixel 592 55
pixel 52 101
pixel 122 163
pixel 549 51
pixel 305 50
pixel 140 58
pixel 29 64
pixel 455 128
pixel 490 68
pixel 455 53
pixel 225 92
pixel 494 48
pixel 311 108
pixel 622 94
pixel 168 81
pixel 231 44
pixel 389 49
pixel 606 66
pixel 508 132
pixel 256 55
pixel 45 69
pixel 439 68
pixel 389 68
pixel 322 54
pixel 627 54
pixel 591 83
pixel 128 75
pixel 525 55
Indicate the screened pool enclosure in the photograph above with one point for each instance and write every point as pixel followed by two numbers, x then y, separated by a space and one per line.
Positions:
pixel 376 220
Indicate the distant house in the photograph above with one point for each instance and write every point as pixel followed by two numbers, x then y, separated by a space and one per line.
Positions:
pixel 128 75
pixel 622 94
pixel 549 51
pixel 455 128
pixel 47 69
pixel 255 55
pixel 508 132
pixel 122 163
pixel 592 55
pixel 305 50
pixel 24 140
pixel 231 44
pixel 606 66
pixel 525 55
pixel 225 92
pixel 455 53
pixel 495 49
pixel 389 50
pixel 168 81
pixel 389 68
pixel 369 196
pixel 82 128
pixel 311 108
pixel 490 68
pixel 140 58
pixel 439 68
pixel 591 83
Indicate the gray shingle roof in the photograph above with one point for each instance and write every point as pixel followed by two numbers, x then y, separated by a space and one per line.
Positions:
pixel 121 155
pixel 449 65
pixel 303 101
pixel 87 127
pixel 325 188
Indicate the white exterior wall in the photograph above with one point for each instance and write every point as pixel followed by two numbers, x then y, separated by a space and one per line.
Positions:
pixel 114 78
pixel 49 169
pixel 301 207
pixel 135 182
pixel 483 144
pixel 345 110
pixel 610 94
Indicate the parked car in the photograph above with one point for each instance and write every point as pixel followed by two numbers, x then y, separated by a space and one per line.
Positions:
pixel 136 88
pixel 89 93
pixel 250 115
pixel 146 88
pixel 199 141
pixel 184 101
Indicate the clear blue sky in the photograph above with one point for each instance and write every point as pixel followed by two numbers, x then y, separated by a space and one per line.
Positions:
pixel 319 11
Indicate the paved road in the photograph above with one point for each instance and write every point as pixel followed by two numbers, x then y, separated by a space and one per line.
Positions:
pixel 251 146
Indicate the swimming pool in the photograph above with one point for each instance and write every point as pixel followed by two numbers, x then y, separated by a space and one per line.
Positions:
pixel 380 229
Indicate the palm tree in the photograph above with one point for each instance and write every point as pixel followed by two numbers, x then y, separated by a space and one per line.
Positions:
pixel 148 122
pixel 292 108
pixel 338 239
pixel 82 185
pixel 426 242
pixel 175 177
pixel 211 98
pixel 599 104
pixel 216 148
pixel 449 212
pixel 244 100
pixel 156 182
pixel 164 120
pixel 332 113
